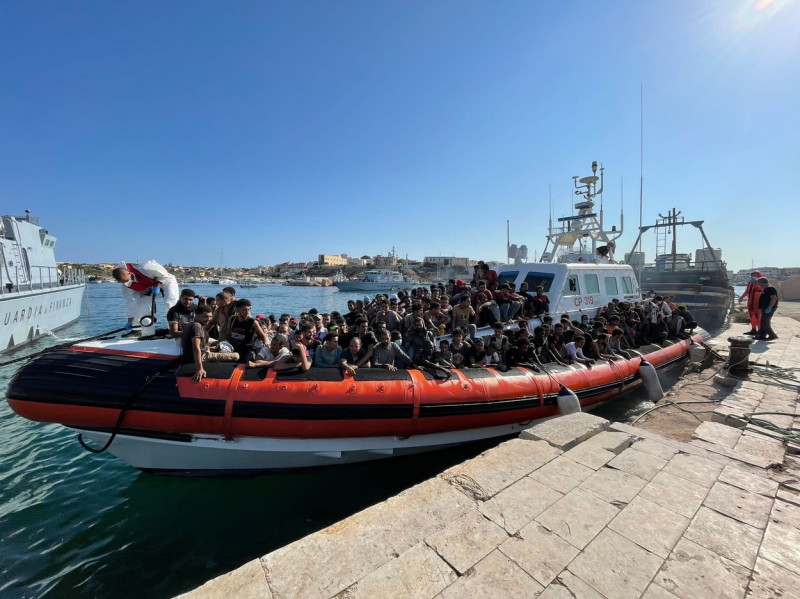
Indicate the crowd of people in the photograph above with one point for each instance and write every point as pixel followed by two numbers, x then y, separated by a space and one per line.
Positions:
pixel 401 330
pixel 436 327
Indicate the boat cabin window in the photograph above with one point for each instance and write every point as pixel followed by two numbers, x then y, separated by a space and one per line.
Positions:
pixel 611 286
pixel 571 286
pixel 508 276
pixel 591 284
pixel 627 285
pixel 534 279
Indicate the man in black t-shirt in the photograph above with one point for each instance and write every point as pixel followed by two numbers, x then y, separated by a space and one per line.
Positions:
pixel 182 313
pixel 768 304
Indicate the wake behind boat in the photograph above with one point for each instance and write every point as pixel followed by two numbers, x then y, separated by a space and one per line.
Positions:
pixel 36 297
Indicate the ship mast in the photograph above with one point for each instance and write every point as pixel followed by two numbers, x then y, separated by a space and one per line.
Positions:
pixel 586 224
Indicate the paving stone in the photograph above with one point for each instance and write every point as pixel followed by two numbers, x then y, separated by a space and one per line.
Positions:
pixel 656 592
pixel 418 572
pixel 313 566
pixel 748 481
pixel 747 507
pixel 589 456
pixel 675 493
pixel 494 576
pixel 784 512
pixel 719 434
pixel 665 452
pixel 615 566
pixel 577 517
pixel 466 541
pixel 612 441
pixel 698 470
pixel 568 431
pixel 781 545
pixel 760 446
pixel 541 553
pixel 723 535
pixel 694 572
pixel 613 485
pixel 638 463
pixel 771 581
pixel 569 586
pixel 650 525
pixel 789 495
pixel 562 474
pixel 494 470
pixel 520 503
pixel 247 582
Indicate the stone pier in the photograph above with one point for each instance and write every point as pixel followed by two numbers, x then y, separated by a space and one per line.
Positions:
pixel 578 507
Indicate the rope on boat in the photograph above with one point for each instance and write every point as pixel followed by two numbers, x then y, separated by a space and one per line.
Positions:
pixel 124 410
pixel 60 346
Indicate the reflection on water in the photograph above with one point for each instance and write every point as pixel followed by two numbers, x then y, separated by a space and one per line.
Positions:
pixel 80 525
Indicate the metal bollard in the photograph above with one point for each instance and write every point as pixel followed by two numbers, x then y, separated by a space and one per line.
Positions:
pixel 739 354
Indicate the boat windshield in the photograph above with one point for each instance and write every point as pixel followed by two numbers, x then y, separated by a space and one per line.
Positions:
pixel 534 279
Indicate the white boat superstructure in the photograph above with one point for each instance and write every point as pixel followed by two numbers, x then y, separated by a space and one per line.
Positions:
pixel 577 269
pixel 36 297
pixel 582 237
pixel 376 280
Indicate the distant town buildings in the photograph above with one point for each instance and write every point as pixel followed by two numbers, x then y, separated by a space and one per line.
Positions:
pixel 332 260
pixel 447 261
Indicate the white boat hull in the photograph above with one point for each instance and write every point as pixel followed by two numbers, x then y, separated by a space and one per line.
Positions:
pixel 209 454
pixel 367 287
pixel 28 315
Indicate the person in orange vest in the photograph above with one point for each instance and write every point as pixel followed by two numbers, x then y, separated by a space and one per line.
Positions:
pixel 140 282
pixel 752 293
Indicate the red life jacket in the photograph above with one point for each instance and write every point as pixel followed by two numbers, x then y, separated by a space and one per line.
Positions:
pixel 141 282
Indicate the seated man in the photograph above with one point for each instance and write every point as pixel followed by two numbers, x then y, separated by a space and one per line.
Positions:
pixel 353 357
pixel 329 353
pixel 243 331
pixel 269 355
pixel 464 315
pixel 539 302
pixel 386 354
pixel 182 313
pixel 195 347
pixel 575 351
pixel 508 302
pixel 498 343
pixel 297 360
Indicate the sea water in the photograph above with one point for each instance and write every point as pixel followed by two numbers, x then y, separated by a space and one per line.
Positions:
pixel 74 524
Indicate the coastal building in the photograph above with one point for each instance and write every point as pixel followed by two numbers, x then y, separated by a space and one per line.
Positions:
pixel 446 261
pixel 332 260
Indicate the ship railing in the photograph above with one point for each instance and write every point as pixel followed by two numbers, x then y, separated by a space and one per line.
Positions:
pixel 42 278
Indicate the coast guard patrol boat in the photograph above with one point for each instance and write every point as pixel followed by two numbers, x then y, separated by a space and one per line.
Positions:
pixel 36 297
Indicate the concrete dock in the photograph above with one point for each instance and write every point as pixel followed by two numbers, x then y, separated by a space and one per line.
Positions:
pixel 578 507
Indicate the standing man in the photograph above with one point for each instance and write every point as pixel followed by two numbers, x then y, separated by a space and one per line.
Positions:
pixel 768 304
pixel 140 283
pixel 753 293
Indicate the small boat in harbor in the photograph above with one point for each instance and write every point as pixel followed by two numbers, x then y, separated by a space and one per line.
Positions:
pixel 702 284
pixel 375 280
pixel 36 297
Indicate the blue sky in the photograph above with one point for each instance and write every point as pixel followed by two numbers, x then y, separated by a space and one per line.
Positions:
pixel 280 130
